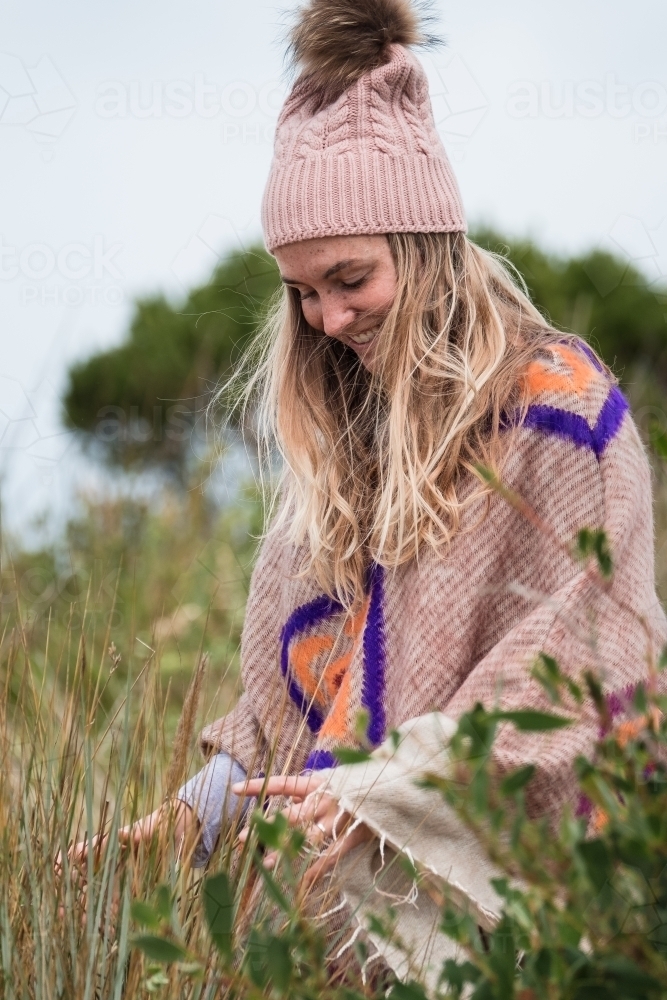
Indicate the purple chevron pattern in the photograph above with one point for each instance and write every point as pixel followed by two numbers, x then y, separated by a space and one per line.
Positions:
pixel 374 655
pixel 301 618
pixel 320 760
pixel 575 428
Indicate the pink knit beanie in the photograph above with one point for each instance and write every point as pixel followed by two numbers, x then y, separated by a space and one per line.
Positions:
pixel 356 148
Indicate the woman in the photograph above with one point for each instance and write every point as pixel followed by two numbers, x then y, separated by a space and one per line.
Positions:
pixel 401 360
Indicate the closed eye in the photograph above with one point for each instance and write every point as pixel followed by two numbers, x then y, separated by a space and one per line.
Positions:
pixel 353 284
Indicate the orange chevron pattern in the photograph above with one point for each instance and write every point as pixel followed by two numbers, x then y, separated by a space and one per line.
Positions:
pixel 324 681
pixel 539 378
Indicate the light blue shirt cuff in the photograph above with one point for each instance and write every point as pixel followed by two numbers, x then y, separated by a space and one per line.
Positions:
pixel 209 794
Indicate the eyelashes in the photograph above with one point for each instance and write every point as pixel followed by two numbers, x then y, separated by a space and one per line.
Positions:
pixel 344 284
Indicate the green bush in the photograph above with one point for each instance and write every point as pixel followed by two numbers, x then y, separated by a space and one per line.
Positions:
pixel 601 297
pixel 138 402
pixel 588 918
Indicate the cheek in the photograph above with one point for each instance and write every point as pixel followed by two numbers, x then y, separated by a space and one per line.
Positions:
pixel 383 296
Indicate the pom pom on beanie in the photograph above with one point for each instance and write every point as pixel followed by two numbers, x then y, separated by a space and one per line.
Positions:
pixel 356 147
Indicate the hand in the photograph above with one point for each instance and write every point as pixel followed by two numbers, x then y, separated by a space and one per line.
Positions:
pixel 177 813
pixel 314 810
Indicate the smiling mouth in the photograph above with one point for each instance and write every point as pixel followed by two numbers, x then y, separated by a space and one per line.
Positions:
pixel 362 338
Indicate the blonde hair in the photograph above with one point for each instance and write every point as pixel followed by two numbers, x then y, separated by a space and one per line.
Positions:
pixel 373 464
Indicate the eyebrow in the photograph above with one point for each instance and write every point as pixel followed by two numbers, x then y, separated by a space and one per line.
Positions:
pixel 327 274
pixel 338 267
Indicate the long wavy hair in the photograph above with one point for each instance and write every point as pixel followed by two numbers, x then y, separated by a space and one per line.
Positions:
pixel 374 465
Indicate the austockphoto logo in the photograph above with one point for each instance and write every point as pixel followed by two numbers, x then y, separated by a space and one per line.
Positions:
pixel 184 98
pixel 587 99
pixel 36 98
pixel 178 423
pixel 73 274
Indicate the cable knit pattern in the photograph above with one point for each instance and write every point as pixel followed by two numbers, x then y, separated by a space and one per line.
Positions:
pixel 448 631
pixel 370 162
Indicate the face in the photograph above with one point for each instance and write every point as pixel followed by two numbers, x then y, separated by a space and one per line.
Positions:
pixel 346 285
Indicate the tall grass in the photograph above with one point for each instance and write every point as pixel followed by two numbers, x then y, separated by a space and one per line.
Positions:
pixel 99 640
pixel 66 934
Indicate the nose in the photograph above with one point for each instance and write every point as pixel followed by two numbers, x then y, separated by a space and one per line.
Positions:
pixel 336 317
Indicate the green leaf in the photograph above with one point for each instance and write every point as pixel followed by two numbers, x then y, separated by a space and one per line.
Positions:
pixel 547 673
pixel 272 888
pixel 593 542
pixel 407 991
pixel 159 949
pixel 457 974
pixel 348 755
pixel 597 861
pixel 630 978
pixel 531 721
pixel 502 956
pixel 479 727
pixel 517 780
pixel 279 963
pixel 218 900
pixel 144 914
pixel 255 958
pixel 361 724
pixel 542 963
pixel 485 473
pixel 639 699
pixel 164 902
pixel 574 690
pixel 595 691
pixel 378 927
pixel 502 886
pixel 271 832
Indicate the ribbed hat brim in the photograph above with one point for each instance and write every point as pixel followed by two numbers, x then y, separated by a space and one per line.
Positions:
pixel 347 194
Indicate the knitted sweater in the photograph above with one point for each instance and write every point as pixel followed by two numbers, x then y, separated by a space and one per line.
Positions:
pixel 448 630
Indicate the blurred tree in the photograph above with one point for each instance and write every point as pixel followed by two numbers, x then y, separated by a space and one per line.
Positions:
pixel 139 402
pixel 598 296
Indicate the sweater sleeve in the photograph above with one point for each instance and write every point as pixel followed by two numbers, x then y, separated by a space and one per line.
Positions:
pixel 238 734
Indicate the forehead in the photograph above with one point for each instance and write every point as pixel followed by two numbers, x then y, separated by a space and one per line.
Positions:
pixel 313 258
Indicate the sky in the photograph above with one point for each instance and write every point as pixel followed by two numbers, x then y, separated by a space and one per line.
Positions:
pixel 135 139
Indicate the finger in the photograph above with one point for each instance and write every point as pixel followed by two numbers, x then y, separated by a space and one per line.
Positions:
pixel 329 858
pixel 317 834
pixel 294 786
pixel 78 853
pixel 328 812
pixel 301 812
pixel 320 816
